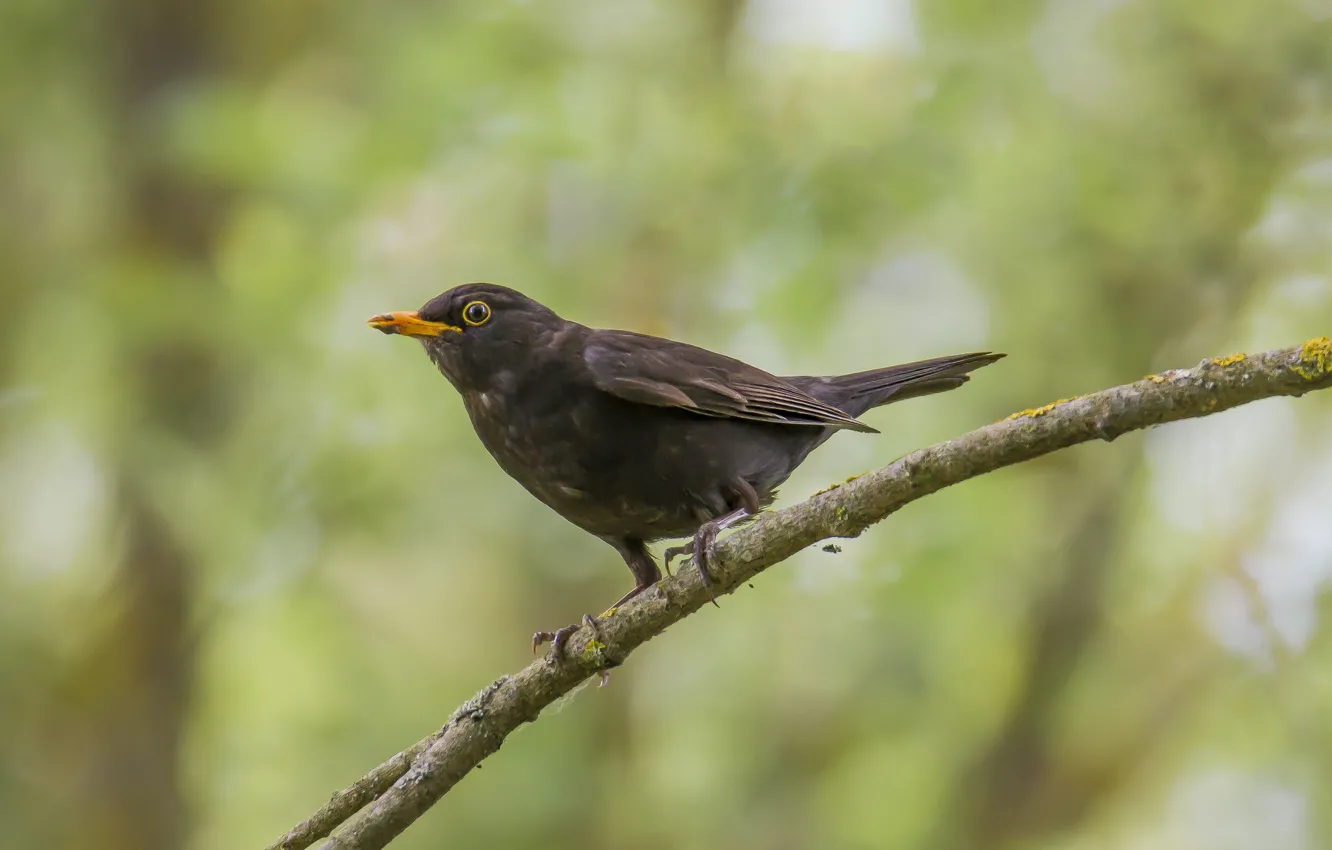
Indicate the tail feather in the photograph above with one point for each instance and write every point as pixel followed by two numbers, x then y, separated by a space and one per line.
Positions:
pixel 861 391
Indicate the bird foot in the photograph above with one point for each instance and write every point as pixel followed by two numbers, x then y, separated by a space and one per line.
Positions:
pixel 560 637
pixel 700 550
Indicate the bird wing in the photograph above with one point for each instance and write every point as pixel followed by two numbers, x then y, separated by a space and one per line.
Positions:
pixel 663 373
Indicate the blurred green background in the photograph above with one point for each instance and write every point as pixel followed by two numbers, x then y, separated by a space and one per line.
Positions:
pixel 249 548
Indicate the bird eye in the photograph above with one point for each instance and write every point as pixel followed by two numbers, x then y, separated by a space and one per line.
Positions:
pixel 476 313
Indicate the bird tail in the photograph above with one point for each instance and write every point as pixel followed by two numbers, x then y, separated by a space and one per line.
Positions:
pixel 861 391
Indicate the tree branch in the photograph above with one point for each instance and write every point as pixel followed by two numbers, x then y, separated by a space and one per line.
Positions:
pixel 409 783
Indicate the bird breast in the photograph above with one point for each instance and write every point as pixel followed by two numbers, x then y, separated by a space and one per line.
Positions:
pixel 525 444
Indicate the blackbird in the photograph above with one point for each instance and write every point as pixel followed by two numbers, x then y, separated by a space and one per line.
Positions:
pixel 634 438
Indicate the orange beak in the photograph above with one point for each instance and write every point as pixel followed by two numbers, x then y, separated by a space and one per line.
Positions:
pixel 408 323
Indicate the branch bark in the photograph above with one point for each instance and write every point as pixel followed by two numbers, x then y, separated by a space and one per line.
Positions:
pixel 405 786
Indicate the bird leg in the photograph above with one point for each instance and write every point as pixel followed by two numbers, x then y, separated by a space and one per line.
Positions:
pixel 640 563
pixel 634 591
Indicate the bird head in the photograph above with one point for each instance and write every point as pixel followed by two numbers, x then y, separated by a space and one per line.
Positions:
pixel 474 331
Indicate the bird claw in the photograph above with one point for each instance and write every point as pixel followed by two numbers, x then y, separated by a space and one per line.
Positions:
pixel 673 552
pixel 560 637
pixel 702 549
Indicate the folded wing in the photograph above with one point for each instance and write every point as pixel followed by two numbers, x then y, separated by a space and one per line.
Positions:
pixel 662 373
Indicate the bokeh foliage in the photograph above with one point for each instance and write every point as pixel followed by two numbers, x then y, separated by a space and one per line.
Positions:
pixel 248 548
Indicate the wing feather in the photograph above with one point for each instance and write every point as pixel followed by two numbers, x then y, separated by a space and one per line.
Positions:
pixel 664 373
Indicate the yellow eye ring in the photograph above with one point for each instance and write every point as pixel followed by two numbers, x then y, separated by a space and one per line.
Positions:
pixel 476 313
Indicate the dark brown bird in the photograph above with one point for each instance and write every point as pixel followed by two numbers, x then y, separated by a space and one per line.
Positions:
pixel 635 438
